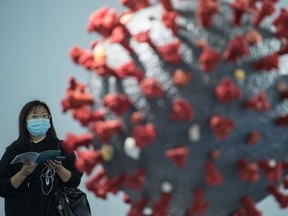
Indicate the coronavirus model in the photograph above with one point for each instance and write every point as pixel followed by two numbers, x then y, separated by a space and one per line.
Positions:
pixel 185 107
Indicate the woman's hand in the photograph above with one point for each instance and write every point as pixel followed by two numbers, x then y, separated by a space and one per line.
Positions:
pixel 27 169
pixel 62 172
pixel 56 164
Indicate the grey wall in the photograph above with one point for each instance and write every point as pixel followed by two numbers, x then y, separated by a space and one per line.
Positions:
pixel 35 40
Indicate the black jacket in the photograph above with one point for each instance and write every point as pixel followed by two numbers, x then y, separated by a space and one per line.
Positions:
pixel 32 197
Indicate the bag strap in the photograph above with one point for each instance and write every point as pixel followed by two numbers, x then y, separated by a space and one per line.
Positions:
pixel 61 185
pixel 49 205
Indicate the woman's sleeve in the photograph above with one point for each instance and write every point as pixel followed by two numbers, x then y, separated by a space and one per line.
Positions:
pixel 69 163
pixel 6 172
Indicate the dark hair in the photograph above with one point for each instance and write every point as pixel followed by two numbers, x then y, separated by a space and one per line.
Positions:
pixel 23 139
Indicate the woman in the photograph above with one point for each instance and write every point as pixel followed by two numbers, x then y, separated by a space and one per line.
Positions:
pixel 27 187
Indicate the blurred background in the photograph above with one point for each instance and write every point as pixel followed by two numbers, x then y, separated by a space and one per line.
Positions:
pixel 35 41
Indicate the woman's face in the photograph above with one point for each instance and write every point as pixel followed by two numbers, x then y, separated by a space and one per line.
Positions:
pixel 38 122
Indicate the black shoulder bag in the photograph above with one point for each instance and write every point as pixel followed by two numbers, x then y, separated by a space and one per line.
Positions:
pixel 71 202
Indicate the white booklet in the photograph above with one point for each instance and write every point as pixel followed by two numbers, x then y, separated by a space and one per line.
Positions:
pixel 36 157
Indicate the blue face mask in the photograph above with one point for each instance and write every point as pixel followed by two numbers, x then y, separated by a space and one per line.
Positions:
pixel 38 127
